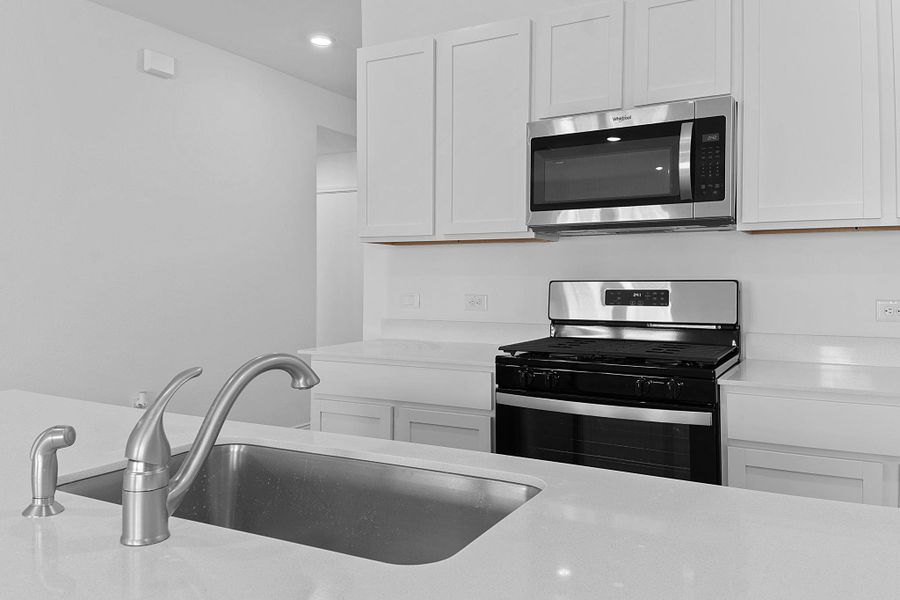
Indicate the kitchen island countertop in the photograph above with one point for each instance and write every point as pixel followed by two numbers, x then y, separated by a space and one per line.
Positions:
pixel 589 533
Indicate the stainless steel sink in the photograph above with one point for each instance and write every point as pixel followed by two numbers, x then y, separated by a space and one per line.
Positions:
pixel 389 513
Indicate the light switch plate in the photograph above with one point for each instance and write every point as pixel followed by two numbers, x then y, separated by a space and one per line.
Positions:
pixel 411 300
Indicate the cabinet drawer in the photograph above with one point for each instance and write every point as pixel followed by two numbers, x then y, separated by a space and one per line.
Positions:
pixel 351 418
pixel 845 427
pixel 419 385
pixel 469 432
pixel 811 476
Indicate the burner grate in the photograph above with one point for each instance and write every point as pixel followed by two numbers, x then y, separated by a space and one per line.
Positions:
pixel 594 349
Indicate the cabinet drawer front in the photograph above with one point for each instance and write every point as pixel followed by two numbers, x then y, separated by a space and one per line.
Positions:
pixel 351 418
pixel 811 476
pixel 468 432
pixel 419 385
pixel 845 427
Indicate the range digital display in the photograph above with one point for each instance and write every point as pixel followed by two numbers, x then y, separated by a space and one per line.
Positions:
pixel 637 298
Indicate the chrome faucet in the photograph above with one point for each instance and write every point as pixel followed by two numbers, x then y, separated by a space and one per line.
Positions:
pixel 149 495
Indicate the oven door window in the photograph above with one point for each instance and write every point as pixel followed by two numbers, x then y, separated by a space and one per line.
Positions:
pixel 677 451
pixel 631 166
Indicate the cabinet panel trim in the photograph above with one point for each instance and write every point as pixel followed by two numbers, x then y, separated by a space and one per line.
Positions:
pixel 870 474
pixel 543 65
pixel 396 50
pixel 445 115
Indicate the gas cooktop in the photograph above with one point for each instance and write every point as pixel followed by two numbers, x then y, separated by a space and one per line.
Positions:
pixel 624 351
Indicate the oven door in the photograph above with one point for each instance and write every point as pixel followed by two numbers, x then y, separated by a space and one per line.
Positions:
pixel 675 443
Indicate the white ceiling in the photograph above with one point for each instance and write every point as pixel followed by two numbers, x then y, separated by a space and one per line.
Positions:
pixel 272 32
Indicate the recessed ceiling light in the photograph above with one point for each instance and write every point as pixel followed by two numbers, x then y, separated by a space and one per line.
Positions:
pixel 613 139
pixel 320 40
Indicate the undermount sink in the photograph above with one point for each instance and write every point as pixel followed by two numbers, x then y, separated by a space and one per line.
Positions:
pixel 384 512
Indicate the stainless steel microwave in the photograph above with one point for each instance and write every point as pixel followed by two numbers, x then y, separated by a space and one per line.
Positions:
pixel 669 166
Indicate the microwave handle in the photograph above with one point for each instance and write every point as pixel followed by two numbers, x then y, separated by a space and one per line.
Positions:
pixel 684 160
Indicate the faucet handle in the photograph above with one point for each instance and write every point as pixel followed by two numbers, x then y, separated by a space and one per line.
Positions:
pixel 148 442
pixel 44 469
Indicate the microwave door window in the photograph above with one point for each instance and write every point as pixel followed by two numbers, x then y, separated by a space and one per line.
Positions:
pixel 607 174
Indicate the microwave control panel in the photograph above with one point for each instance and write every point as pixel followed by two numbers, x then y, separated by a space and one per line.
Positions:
pixel 709 157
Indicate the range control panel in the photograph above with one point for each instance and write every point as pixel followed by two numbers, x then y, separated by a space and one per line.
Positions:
pixel 709 159
pixel 636 298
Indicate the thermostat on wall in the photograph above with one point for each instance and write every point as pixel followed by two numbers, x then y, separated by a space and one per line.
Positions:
pixel 158 64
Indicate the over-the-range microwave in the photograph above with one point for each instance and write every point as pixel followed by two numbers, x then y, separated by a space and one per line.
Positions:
pixel 669 166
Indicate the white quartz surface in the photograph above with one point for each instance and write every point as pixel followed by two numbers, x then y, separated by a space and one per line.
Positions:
pixel 855 380
pixel 589 534
pixel 410 351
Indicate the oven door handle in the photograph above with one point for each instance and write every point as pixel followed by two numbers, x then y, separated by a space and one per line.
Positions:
pixel 608 411
pixel 684 160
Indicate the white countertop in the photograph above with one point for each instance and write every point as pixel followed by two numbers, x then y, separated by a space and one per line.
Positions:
pixel 858 380
pixel 410 351
pixel 590 533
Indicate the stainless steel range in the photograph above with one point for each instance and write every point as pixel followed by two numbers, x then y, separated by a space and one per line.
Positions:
pixel 627 379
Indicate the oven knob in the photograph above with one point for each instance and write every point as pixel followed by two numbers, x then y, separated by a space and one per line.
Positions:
pixel 640 386
pixel 552 379
pixel 526 376
pixel 673 387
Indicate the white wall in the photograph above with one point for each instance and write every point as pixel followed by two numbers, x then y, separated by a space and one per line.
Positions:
pixel 149 225
pixel 339 253
pixel 813 283
pixel 821 283
pixel 336 172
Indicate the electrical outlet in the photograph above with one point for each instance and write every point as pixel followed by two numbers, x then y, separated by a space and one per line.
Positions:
pixel 887 310
pixel 476 302
pixel 140 399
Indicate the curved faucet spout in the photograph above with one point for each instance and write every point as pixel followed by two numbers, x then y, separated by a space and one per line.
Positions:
pixel 149 495
pixel 302 377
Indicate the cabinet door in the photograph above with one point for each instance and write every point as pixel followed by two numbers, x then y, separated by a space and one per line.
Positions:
pixel 578 60
pixel 811 111
pixel 483 89
pixel 395 143
pixel 802 475
pixel 469 432
pixel 681 49
pixel 895 28
pixel 352 418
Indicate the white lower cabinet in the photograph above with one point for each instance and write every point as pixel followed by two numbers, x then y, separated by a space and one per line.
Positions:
pixel 427 403
pixel 828 445
pixel 468 432
pixel 351 418
pixel 802 475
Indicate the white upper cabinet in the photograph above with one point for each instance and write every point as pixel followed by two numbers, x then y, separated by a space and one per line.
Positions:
pixel 895 26
pixel 812 94
pixel 578 59
pixel 483 90
pixel 395 143
pixel 680 49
